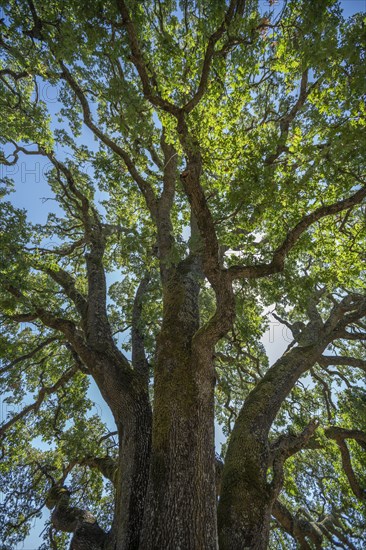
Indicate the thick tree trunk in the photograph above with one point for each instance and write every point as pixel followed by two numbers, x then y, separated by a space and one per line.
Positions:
pixel 245 503
pixel 131 480
pixel 180 512
pixel 247 496
pixel 181 502
pixel 126 393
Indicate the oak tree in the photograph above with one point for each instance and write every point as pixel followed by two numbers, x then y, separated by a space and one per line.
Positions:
pixel 205 162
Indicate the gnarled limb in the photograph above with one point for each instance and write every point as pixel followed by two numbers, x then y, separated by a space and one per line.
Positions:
pixel 86 532
pixel 284 447
pixel 298 527
pixel 307 531
pixel 339 435
pixel 248 455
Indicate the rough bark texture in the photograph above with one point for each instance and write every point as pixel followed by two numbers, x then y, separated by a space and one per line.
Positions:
pixel 299 528
pixel 181 496
pixel 247 496
pixel 131 480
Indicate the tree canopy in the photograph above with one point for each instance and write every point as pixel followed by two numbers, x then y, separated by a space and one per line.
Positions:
pixel 206 165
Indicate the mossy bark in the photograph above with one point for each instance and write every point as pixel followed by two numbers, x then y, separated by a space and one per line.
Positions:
pixel 180 510
pixel 247 496
pixel 244 509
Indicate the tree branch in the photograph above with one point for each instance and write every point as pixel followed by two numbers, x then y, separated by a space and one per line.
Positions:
pixel 143 185
pixel 339 435
pixel 165 204
pixel 289 117
pixel 235 6
pixel 67 282
pixel 279 256
pixel 340 360
pixel 29 355
pixel 299 528
pixel 148 83
pixel 70 519
pixel 43 393
pixel 287 446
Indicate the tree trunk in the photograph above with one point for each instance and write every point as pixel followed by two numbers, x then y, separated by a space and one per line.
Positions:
pixel 245 503
pixel 181 508
pixel 246 500
pixel 131 479
pixel 126 393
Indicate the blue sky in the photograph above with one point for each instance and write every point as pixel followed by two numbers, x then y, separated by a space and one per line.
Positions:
pixel 33 194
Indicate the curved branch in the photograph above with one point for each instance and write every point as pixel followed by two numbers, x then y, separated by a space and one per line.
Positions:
pixel 106 465
pixel 290 444
pixel 299 528
pixel 285 447
pixel 16 76
pixel 67 282
pixel 339 435
pixel 342 360
pixel 144 186
pixel 70 519
pixel 292 237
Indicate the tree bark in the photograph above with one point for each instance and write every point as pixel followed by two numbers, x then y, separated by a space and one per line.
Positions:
pixel 181 502
pixel 247 495
pixel 131 479
pixel 87 535
pixel 126 393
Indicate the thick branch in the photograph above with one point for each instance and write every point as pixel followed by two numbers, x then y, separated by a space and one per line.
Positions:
pixel 299 528
pixel 285 447
pixel 106 465
pixel 70 519
pixel 340 360
pixel 340 435
pixel 84 206
pixel 288 445
pixel 165 204
pixel 292 237
pixel 93 310
pixel 65 326
pixel 13 74
pixel 67 282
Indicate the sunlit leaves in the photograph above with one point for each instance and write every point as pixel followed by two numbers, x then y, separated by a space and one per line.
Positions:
pixel 270 157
